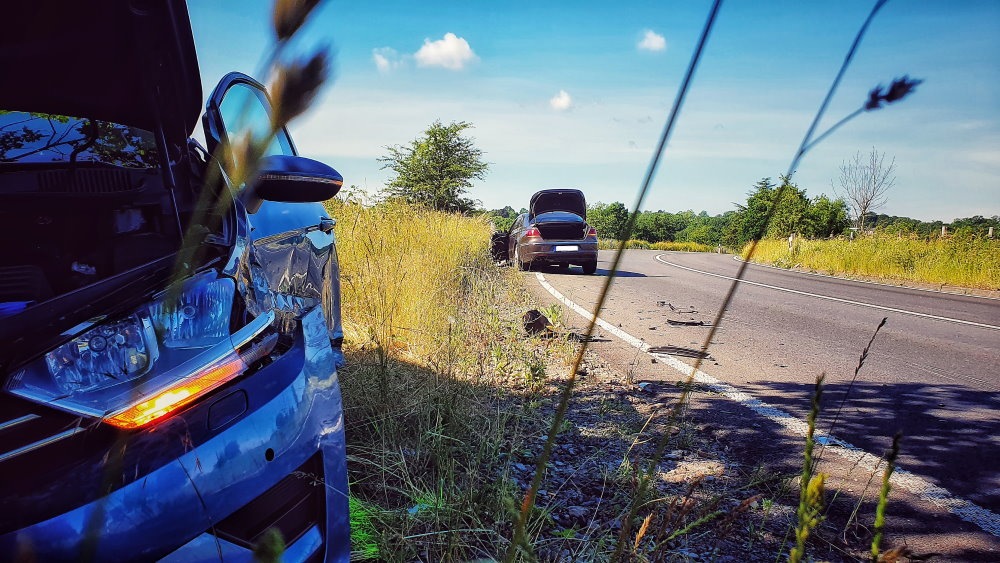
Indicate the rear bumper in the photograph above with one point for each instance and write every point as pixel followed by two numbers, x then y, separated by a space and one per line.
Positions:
pixel 548 252
pixel 179 510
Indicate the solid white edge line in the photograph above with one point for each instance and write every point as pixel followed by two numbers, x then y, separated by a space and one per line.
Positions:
pixel 987 520
pixel 828 298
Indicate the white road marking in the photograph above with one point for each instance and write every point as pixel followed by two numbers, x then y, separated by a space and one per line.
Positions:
pixel 828 298
pixel 964 509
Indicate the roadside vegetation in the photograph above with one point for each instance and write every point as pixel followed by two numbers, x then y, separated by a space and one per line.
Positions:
pixel 962 261
pixel 433 349
pixel 611 244
pixel 465 441
pixel 448 401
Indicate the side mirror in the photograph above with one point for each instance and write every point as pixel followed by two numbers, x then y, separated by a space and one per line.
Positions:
pixel 293 179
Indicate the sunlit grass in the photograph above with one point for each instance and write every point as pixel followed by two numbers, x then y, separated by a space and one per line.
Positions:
pixel 434 347
pixel 403 272
pixel 964 262
pixel 638 244
pixel 682 246
pixel 611 244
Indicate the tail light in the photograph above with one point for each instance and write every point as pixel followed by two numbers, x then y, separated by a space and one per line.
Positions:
pixel 591 232
pixel 532 232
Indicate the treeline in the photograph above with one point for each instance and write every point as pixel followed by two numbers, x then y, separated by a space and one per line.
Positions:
pixel 817 217
pixel 976 225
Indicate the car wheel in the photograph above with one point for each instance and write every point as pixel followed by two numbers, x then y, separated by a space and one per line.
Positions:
pixel 517 260
pixel 590 267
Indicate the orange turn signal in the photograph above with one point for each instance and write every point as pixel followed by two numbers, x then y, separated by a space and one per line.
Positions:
pixel 177 396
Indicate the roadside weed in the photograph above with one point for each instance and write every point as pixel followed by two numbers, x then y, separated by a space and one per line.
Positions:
pixel 957 261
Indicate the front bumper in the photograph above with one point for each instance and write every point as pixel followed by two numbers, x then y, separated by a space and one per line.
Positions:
pixel 178 511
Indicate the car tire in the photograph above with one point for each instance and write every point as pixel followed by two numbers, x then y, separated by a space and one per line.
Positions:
pixel 523 266
pixel 590 267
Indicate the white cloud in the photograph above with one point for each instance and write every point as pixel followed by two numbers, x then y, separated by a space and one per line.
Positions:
pixel 386 59
pixel 561 101
pixel 652 41
pixel 450 52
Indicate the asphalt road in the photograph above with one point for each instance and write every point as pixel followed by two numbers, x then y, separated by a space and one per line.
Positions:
pixel 933 372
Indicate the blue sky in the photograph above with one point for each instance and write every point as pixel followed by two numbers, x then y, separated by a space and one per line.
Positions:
pixel 575 94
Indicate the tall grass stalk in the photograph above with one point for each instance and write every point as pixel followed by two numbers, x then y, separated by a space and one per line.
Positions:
pixel 883 497
pixel 404 270
pixel 857 369
pixel 972 262
pixel 810 508
pixel 730 294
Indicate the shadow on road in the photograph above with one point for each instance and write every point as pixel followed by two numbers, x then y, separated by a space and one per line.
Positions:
pixel 577 271
pixel 962 459
pixel 961 455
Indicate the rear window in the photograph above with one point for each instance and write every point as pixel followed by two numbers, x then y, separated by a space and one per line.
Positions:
pixel 27 137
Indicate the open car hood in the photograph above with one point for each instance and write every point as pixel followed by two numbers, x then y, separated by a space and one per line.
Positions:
pixel 569 200
pixel 125 61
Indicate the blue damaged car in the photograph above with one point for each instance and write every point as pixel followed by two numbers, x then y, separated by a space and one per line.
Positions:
pixel 169 342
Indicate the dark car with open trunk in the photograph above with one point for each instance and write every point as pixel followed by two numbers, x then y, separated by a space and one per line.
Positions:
pixel 553 232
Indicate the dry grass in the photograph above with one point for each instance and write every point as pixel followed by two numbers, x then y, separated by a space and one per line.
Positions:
pixel 964 262
pixel 435 349
pixel 682 246
pixel 404 269
pixel 611 244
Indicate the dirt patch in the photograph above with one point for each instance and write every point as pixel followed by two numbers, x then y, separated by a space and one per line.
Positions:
pixel 702 505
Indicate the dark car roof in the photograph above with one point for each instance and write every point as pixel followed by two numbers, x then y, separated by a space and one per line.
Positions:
pixel 562 199
pixel 114 60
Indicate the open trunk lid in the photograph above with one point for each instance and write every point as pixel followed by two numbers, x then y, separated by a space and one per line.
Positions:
pixel 568 200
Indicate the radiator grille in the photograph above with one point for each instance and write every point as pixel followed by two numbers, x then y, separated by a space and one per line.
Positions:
pixel 294 505
pixel 81 181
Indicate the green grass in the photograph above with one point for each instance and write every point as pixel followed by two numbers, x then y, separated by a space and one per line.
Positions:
pixel 682 246
pixel 611 244
pixel 363 532
pixel 963 262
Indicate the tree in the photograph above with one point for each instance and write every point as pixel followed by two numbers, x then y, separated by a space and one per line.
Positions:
pixel 792 213
pixel 705 229
pixel 503 219
pixel 751 220
pixel 436 169
pixel 656 226
pixel 864 181
pixel 608 218
pixel 825 217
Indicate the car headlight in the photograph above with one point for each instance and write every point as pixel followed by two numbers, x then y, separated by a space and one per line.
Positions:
pixel 139 368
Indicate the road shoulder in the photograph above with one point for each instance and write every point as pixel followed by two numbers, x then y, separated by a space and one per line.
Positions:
pixel 768 455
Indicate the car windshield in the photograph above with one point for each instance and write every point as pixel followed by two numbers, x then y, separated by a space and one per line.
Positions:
pixel 29 137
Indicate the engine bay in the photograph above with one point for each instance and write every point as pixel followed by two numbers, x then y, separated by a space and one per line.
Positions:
pixel 68 228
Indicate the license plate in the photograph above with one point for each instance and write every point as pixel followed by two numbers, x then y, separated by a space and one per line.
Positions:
pixel 567 248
